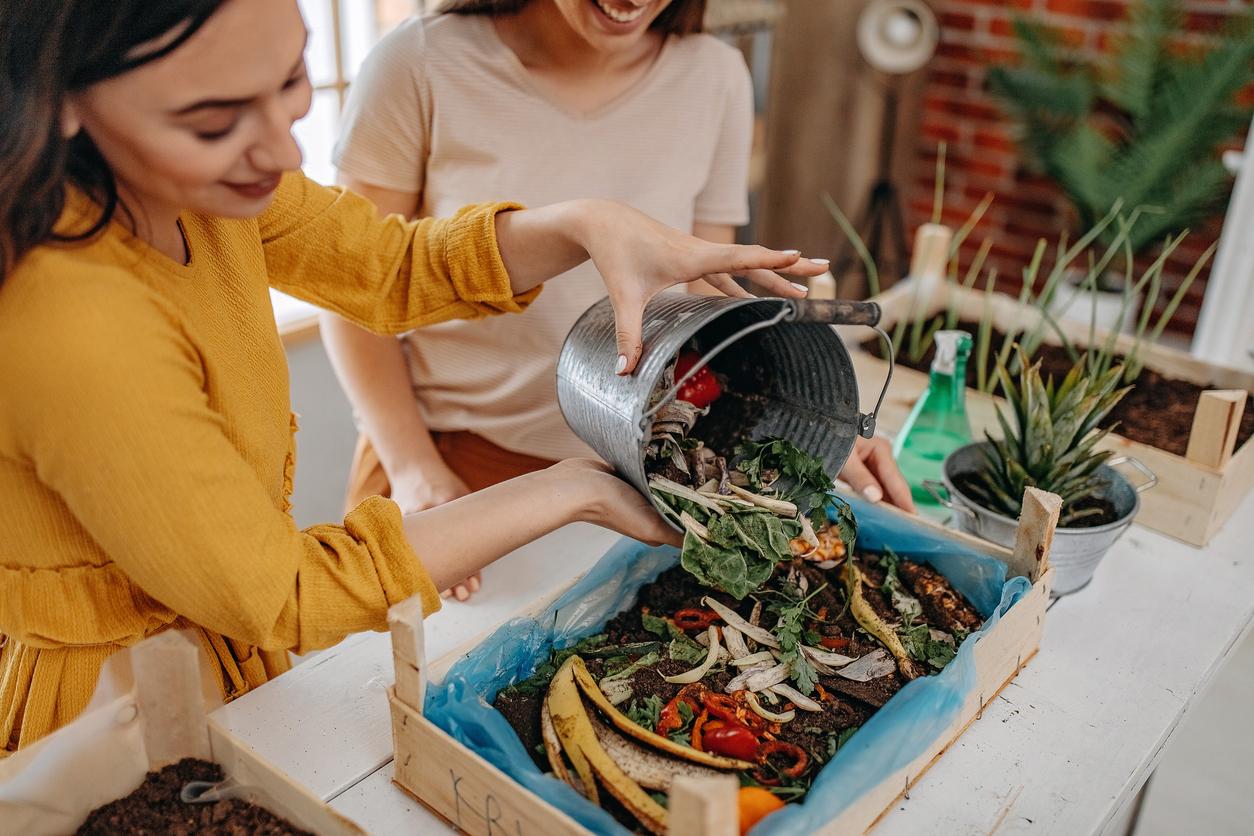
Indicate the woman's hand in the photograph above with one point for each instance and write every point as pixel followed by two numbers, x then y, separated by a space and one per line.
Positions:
pixel 872 472
pixel 434 485
pixel 636 256
pixel 616 505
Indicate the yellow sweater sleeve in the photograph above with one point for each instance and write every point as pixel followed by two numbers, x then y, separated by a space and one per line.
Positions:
pixel 114 415
pixel 330 247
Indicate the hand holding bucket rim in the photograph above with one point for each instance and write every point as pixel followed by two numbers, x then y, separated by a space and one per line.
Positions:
pixel 642 257
pixel 638 257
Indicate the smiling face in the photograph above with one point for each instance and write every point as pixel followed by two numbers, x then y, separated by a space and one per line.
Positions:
pixel 611 25
pixel 207 128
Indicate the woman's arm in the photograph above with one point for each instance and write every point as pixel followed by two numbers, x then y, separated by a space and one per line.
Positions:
pixel 375 375
pixel 115 417
pixel 467 534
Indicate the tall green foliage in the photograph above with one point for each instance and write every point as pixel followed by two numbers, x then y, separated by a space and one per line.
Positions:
pixel 1143 128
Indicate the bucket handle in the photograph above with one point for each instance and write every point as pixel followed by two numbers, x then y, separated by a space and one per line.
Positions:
pixel 1151 478
pixel 941 494
pixel 826 311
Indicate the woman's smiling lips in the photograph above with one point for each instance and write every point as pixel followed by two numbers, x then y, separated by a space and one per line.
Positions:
pixel 621 16
pixel 256 188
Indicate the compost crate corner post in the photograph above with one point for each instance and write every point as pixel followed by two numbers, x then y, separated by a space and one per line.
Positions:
pixel 408 658
pixel 1216 423
pixel 1035 535
pixel 170 698
pixel 703 806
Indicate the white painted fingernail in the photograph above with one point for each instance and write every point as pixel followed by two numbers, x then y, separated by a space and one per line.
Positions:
pixel 800 287
pixel 822 262
pixel 873 493
pixel 791 252
pixel 622 364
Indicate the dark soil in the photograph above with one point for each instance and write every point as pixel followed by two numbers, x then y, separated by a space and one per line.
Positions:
pixel 155 809
pixel 1105 509
pixel 1158 411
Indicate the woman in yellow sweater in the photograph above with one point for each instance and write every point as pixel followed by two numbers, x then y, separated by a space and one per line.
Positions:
pixel 146 445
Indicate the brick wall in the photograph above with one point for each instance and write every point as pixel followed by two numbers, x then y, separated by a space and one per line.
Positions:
pixel 981 153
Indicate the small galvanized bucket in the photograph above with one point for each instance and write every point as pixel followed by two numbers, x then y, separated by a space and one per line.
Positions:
pixel 788 373
pixel 1076 551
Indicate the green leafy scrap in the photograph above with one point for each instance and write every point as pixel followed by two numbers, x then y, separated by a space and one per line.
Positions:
pixel 790 628
pixel 646 714
pixel 684 649
pixel 736 570
pixel 923 647
pixel 802 476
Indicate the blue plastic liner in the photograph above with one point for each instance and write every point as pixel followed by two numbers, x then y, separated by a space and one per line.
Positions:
pixel 894 736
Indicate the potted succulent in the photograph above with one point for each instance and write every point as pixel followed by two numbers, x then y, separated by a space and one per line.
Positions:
pixel 1052 446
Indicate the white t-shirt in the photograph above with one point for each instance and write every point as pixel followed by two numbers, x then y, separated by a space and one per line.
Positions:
pixel 444 108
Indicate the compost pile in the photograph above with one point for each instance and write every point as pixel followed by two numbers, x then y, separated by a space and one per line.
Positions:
pixel 156 807
pixel 760 655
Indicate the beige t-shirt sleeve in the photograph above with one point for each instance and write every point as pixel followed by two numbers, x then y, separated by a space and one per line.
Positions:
pixel 725 197
pixel 383 139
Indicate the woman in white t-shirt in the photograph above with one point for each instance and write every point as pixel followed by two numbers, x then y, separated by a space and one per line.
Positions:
pixel 540 101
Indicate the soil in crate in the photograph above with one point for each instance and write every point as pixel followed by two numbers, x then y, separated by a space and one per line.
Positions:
pixel 1158 411
pixel 156 808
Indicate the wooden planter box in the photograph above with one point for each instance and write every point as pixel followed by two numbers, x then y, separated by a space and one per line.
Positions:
pixel 102 755
pixel 1196 493
pixel 479 799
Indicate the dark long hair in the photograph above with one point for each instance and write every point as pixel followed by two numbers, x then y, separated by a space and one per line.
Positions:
pixel 681 17
pixel 48 50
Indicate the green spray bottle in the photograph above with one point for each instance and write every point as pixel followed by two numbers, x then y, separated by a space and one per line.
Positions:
pixel 938 423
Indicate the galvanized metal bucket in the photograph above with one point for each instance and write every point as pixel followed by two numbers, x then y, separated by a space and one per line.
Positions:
pixel 780 353
pixel 1076 551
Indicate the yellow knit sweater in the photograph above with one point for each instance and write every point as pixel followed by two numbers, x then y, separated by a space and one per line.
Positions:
pixel 146 446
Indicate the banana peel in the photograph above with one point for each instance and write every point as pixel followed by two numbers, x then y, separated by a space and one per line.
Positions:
pixel 648 768
pixel 590 760
pixel 553 748
pixel 870 621
pixel 625 724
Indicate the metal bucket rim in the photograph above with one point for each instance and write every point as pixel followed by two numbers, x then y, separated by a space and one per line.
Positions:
pixel 1123 521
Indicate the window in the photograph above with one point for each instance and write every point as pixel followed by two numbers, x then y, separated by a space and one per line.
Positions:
pixel 341 33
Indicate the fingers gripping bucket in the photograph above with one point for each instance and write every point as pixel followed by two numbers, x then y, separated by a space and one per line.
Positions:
pixel 787 374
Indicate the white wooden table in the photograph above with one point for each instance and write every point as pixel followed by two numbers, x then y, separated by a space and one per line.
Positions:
pixel 1064 749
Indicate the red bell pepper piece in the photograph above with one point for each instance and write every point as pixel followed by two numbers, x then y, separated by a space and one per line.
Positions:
pixel 694 619
pixel 730 739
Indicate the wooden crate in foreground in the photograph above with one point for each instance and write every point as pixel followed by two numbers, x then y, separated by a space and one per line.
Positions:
pixel 479 799
pixel 1196 493
pixel 153 715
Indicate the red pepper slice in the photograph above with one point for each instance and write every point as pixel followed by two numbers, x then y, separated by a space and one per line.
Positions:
pixel 732 740
pixel 703 388
pixel 834 642
pixel 798 759
pixel 698 726
pixel 669 719
pixel 694 619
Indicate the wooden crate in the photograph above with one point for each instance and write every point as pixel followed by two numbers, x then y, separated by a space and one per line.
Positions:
pixel 479 799
pixel 158 721
pixel 1196 493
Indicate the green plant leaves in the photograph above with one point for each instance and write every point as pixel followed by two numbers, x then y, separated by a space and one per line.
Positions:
pixel 1052 443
